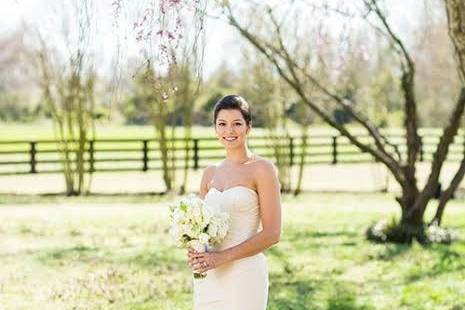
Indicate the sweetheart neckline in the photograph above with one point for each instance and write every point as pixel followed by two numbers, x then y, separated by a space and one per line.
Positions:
pixel 232 187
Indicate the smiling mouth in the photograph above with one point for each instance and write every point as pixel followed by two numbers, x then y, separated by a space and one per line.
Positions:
pixel 230 139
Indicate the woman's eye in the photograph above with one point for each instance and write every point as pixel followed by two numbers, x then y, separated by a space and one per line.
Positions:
pixel 238 124
pixel 221 124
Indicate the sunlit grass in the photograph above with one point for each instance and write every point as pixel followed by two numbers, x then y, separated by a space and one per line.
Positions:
pixel 106 130
pixel 114 253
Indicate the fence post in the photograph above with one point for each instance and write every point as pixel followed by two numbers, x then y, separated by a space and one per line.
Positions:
pixel 91 155
pixel 196 154
pixel 334 150
pixel 32 153
pixel 186 152
pixel 305 147
pixel 421 149
pixel 291 151
pixel 145 155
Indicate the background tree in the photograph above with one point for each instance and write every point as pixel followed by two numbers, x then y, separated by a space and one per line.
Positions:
pixel 185 98
pixel 413 199
pixel 68 87
pixel 304 118
pixel 456 19
pixel 17 89
pixel 260 86
pixel 437 78
pixel 221 82
pixel 169 33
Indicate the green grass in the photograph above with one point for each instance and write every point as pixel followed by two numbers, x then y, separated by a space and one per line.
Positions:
pixel 98 198
pixel 92 253
pixel 106 130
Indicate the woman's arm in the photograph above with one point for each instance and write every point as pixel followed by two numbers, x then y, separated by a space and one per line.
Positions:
pixel 268 189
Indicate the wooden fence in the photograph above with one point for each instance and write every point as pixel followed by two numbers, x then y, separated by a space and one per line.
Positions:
pixel 43 156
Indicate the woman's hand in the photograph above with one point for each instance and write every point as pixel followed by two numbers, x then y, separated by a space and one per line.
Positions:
pixel 202 262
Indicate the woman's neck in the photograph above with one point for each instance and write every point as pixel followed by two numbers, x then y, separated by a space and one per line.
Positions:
pixel 238 156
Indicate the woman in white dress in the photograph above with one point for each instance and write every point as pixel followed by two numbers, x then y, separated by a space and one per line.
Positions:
pixel 247 187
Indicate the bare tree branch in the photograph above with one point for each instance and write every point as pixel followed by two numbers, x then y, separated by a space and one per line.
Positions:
pixel 413 201
pixel 455 10
pixel 448 193
pixel 357 115
pixel 450 131
pixel 373 6
pixel 408 88
pixel 270 51
pixel 456 23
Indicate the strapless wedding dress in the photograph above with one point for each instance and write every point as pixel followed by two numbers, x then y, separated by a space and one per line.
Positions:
pixel 241 284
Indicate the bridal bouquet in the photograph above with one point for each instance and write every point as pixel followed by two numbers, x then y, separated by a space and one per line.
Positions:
pixel 197 225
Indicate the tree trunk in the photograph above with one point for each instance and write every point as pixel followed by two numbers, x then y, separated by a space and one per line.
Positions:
pixel 302 158
pixel 411 225
pixel 164 154
pixel 456 19
pixel 448 193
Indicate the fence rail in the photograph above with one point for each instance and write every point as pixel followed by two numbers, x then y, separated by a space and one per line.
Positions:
pixel 105 155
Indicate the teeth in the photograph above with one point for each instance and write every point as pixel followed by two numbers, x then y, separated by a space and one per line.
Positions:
pixel 230 139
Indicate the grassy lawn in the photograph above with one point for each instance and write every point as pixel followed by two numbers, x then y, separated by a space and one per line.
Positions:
pixel 114 253
pixel 106 130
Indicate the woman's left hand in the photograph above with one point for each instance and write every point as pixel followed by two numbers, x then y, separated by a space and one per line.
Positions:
pixel 202 262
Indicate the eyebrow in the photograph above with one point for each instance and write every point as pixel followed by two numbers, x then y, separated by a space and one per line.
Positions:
pixel 233 120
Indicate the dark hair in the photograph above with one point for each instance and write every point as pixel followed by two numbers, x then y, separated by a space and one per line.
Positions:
pixel 233 102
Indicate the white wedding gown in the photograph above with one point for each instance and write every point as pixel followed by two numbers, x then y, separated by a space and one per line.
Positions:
pixel 241 284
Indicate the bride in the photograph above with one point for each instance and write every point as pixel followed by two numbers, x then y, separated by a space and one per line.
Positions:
pixel 246 186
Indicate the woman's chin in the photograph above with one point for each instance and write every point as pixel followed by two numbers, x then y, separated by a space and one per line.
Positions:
pixel 231 145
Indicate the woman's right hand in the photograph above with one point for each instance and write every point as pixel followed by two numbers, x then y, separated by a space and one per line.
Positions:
pixel 190 257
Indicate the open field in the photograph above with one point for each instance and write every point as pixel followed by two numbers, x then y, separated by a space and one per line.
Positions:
pixel 43 129
pixel 114 253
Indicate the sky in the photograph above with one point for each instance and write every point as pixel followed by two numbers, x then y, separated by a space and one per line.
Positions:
pixel 222 42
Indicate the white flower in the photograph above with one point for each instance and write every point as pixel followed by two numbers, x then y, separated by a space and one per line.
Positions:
pixel 197 245
pixel 203 238
pixel 178 216
pixel 196 224
pixel 212 229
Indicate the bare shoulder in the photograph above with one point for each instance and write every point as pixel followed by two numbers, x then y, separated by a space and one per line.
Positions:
pixel 266 177
pixel 210 169
pixel 208 173
pixel 207 176
pixel 264 167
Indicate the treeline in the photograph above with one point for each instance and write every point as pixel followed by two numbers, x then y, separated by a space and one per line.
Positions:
pixel 372 80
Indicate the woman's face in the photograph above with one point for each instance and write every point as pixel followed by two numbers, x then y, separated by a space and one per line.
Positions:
pixel 231 128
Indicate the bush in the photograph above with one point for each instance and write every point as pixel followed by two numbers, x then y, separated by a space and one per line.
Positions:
pixel 380 231
pixel 390 231
pixel 437 234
